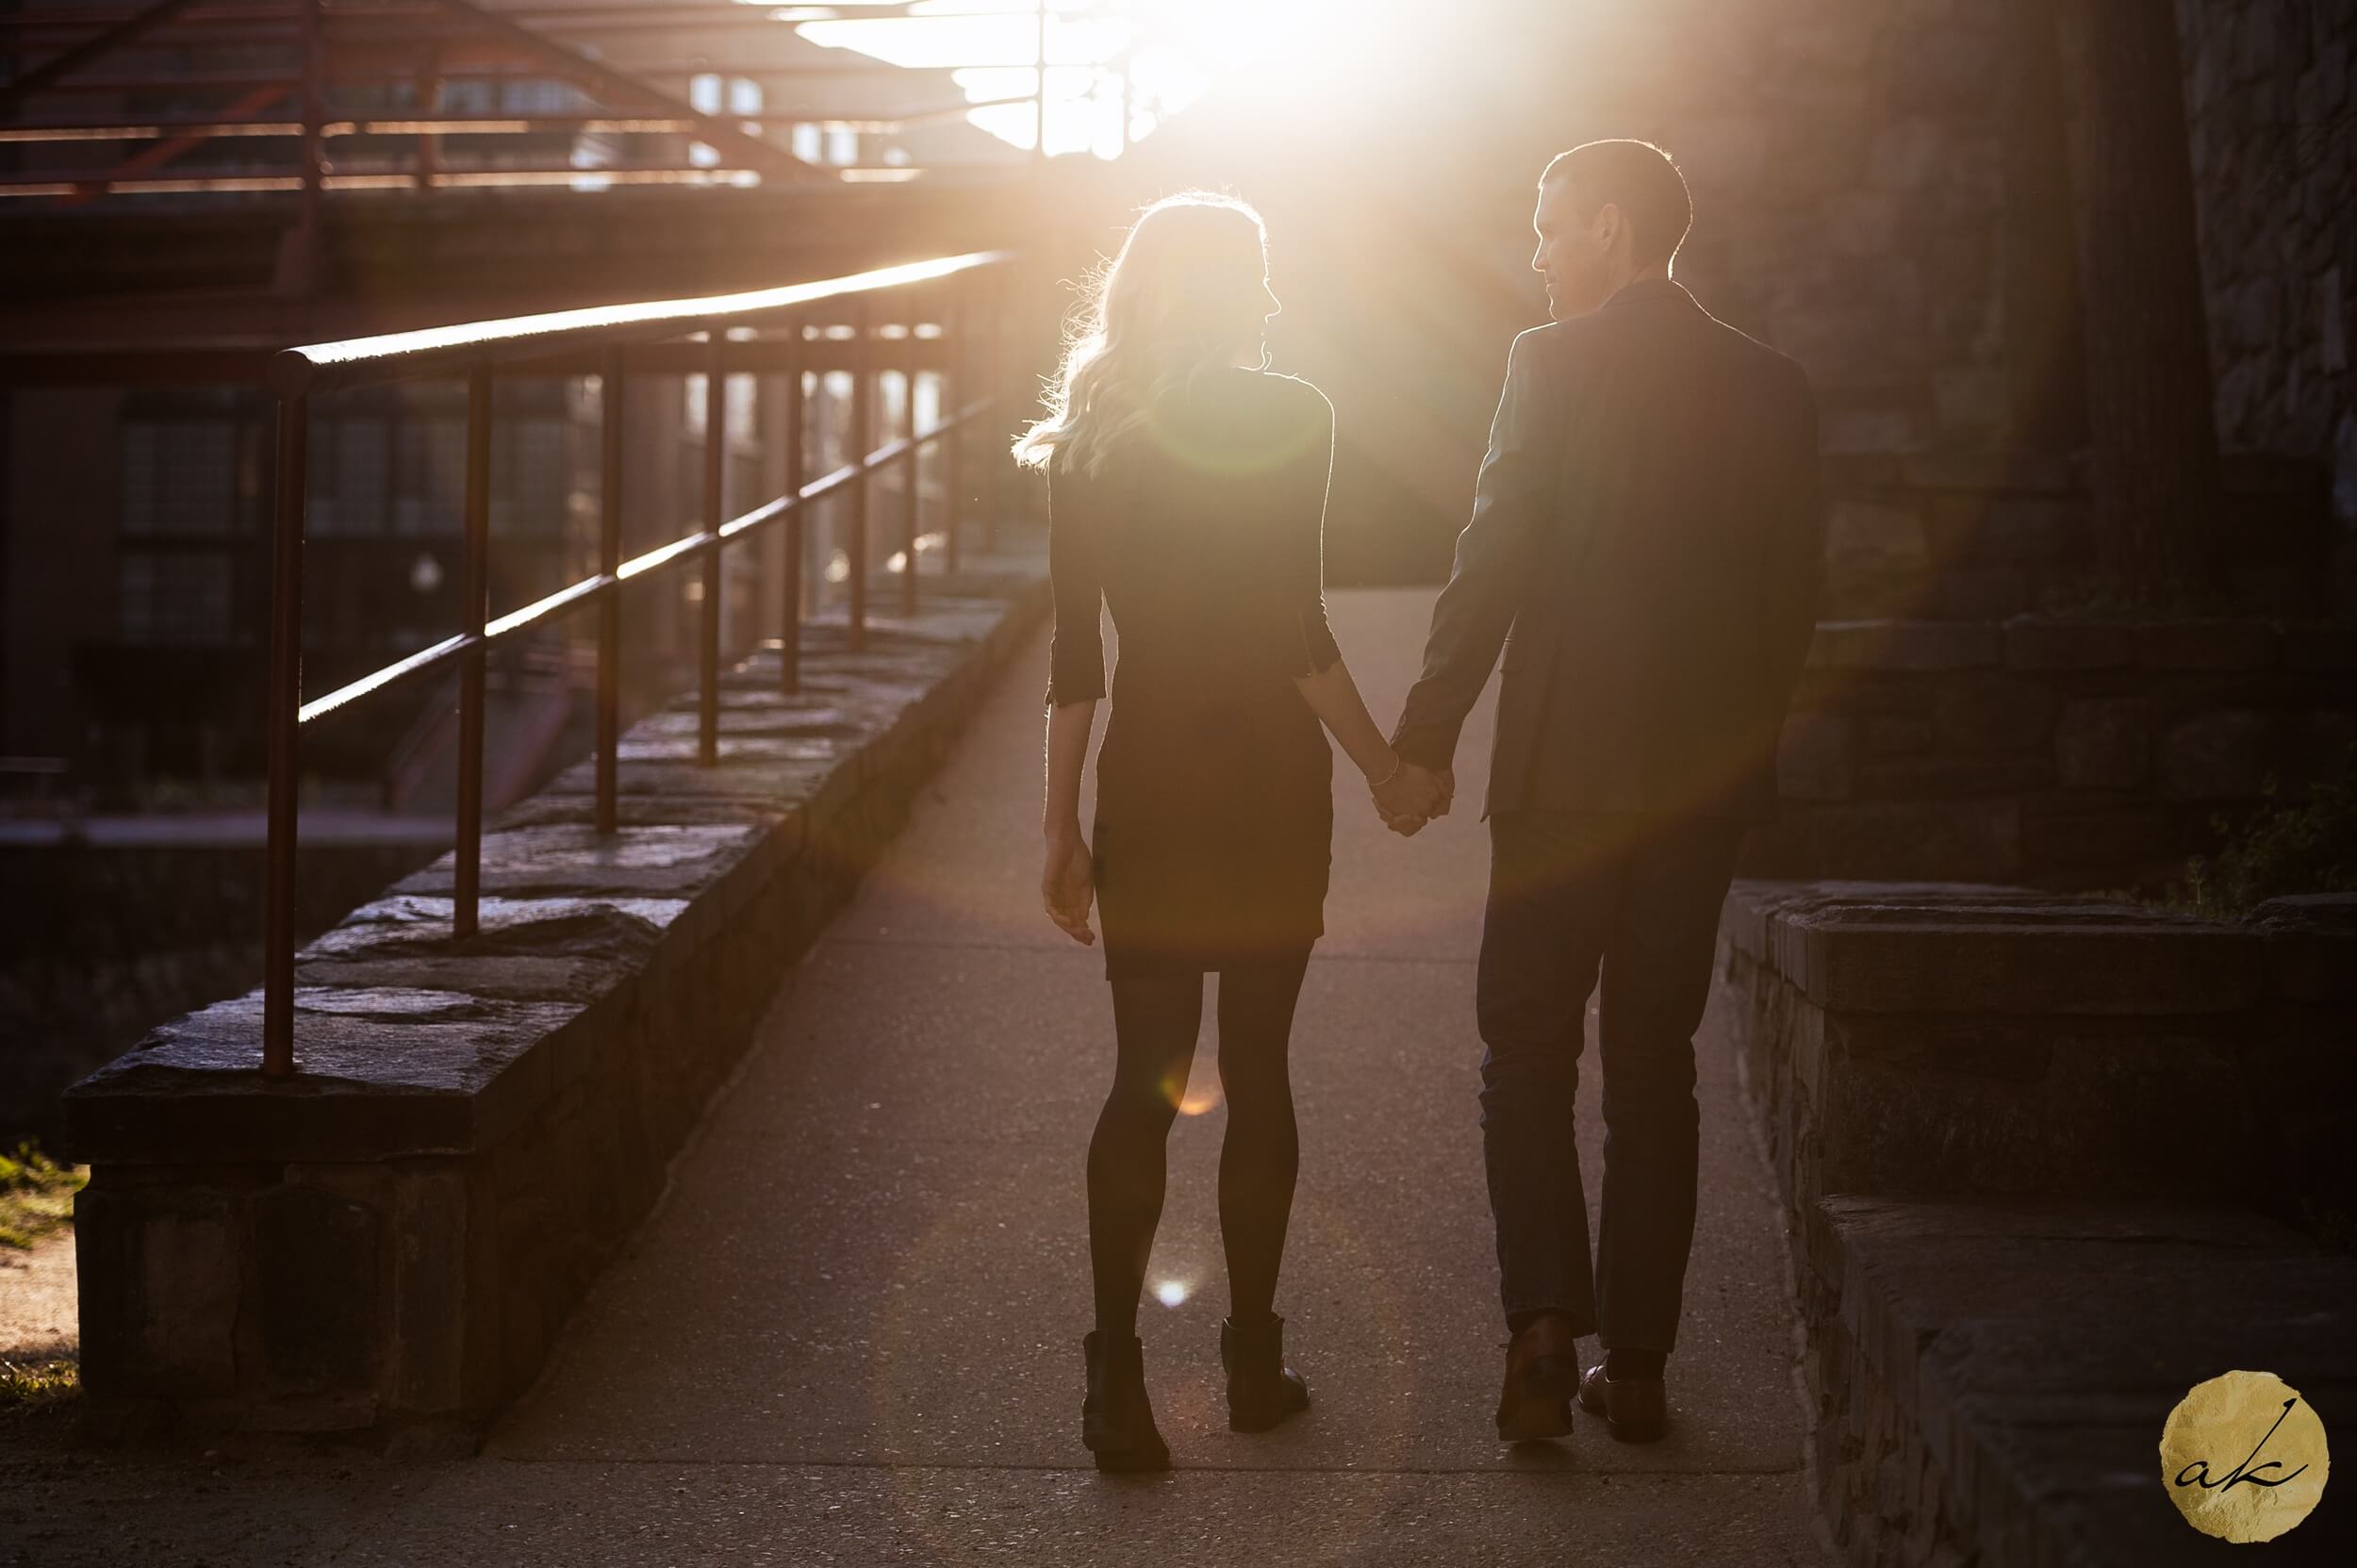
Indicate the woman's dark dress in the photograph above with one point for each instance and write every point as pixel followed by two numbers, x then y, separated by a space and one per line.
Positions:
pixel 1203 532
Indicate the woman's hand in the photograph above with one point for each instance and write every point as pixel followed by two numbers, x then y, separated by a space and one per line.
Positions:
pixel 1068 888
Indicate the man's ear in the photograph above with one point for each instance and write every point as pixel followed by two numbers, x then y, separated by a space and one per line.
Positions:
pixel 1609 225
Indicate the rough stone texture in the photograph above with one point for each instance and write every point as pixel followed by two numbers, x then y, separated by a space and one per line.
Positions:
pixel 395 1235
pixel 1965 1419
pixel 1961 537
pixel 2269 100
pixel 2066 752
pixel 1936 1038
pixel 2037 1153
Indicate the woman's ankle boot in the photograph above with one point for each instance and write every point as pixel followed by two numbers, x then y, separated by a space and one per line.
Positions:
pixel 1262 1389
pixel 1116 1421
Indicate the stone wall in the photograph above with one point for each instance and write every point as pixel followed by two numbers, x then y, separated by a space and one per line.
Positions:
pixel 1991 1377
pixel 1954 1039
pixel 2066 753
pixel 2273 110
pixel 393 1238
pixel 1979 536
pixel 2046 1164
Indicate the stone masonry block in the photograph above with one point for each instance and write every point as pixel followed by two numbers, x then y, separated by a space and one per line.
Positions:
pixel 1814 758
pixel 1935 840
pixel 2332 647
pixel 159 1270
pixel 1974 714
pixel 2206 645
pixel 316 1271
pixel 2104 743
pixel 2217 756
pixel 2032 643
pixel 1906 644
pixel 438 1302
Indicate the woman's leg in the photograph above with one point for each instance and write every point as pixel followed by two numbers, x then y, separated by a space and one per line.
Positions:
pixel 1156 1018
pixel 1262 1150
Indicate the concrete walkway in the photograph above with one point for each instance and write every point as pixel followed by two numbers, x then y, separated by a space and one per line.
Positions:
pixel 852 1333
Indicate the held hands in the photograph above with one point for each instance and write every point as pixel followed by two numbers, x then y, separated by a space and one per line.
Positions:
pixel 1069 886
pixel 1412 796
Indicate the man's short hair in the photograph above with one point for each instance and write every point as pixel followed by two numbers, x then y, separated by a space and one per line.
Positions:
pixel 1638 178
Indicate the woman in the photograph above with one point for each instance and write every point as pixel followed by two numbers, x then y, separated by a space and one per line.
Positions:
pixel 1187 488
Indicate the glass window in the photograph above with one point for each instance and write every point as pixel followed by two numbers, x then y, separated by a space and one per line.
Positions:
pixel 179 476
pixel 429 482
pixel 180 597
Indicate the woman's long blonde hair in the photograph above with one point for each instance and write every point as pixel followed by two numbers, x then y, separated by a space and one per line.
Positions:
pixel 1185 294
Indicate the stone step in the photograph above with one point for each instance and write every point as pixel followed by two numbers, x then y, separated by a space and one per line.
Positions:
pixel 1939 1039
pixel 1992 1376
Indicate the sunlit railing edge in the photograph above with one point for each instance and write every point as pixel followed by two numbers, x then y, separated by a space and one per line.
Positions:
pixel 588 590
pixel 394 356
pixel 476 349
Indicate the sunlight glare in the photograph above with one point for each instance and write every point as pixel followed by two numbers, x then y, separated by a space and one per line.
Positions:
pixel 1170 1293
pixel 1176 49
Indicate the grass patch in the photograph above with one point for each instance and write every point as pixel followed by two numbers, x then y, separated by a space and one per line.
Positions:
pixel 36 1196
pixel 32 1387
pixel 2283 849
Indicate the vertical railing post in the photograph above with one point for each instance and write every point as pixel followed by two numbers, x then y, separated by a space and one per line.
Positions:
pixel 610 600
pixel 862 441
pixel 912 521
pixel 953 386
pixel 429 91
pixel 1039 102
pixel 790 640
pixel 467 871
pixel 715 475
pixel 285 702
pixel 994 461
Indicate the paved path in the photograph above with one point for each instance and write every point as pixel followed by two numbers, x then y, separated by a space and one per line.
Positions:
pixel 851 1331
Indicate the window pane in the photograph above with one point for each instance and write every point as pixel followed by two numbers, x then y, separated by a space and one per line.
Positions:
pixel 179 476
pixel 176 599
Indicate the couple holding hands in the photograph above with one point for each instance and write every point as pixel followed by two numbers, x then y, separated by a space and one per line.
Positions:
pixel 1641 561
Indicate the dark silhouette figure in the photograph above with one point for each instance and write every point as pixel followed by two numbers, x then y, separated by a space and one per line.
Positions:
pixel 1643 552
pixel 1187 495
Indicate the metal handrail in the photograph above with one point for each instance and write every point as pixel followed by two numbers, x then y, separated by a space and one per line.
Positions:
pixel 972 343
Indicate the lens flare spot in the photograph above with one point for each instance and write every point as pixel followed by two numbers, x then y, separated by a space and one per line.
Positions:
pixel 1195 1101
pixel 1171 1291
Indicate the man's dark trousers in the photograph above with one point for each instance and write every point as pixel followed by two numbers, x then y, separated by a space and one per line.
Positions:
pixel 1636 897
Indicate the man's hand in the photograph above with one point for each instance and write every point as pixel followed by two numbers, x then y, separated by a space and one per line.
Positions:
pixel 1412 796
pixel 1067 887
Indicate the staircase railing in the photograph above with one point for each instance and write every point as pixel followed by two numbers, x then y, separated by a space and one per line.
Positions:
pixel 966 290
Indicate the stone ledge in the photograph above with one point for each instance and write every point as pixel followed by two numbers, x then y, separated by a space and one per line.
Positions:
pixel 1948 948
pixel 1939 1039
pixel 1963 1408
pixel 394 1236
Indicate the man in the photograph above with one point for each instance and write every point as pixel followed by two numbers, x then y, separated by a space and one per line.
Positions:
pixel 1644 547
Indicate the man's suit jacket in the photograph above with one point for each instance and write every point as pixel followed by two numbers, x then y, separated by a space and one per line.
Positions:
pixel 1644 548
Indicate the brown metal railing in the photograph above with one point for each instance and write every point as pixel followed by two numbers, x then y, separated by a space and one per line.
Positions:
pixel 965 290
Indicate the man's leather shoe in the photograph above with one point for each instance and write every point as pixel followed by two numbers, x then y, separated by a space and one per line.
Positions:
pixel 1635 1409
pixel 1542 1365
